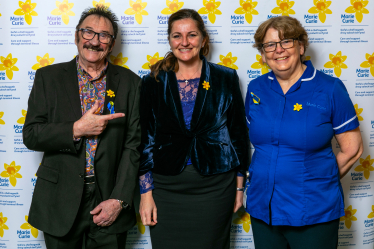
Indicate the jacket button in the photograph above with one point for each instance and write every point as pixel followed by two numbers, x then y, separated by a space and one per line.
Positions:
pixel 81 175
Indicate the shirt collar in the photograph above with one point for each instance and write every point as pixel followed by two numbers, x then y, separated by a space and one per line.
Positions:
pixel 83 72
pixel 308 74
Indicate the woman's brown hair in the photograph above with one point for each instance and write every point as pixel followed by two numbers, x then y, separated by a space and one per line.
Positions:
pixel 170 62
pixel 288 27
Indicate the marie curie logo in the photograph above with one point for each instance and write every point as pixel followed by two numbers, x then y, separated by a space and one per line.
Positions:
pixel 370 221
pixel 138 9
pixel 284 7
pixel 228 61
pixel 101 3
pixel 366 166
pixel 64 10
pixel 119 60
pixel 211 9
pixel 27 229
pixel 348 217
pixel 26 10
pixel 261 66
pixel 337 63
pixel 244 220
pixel 369 63
pixel 43 61
pixel 11 172
pixel 151 60
pixel 357 9
pixel 247 8
pixel 2 122
pixel 320 9
pixel 8 65
pixel 172 7
pixel 3 226
pixel 358 112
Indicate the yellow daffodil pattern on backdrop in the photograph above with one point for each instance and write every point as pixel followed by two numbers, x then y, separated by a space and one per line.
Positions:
pixel 297 107
pixel 284 8
pixel 228 61
pixel 119 60
pixel 102 3
pixel 206 85
pixel 371 215
pixel 26 9
pixel 43 61
pixel 247 8
pixel 349 216
pixel 110 93
pixel 366 165
pixel 337 62
pixel 3 226
pixel 245 219
pixel 369 63
pixel 8 65
pixel 307 58
pixel 27 226
pixel 321 7
pixel 358 7
pixel 260 65
pixel 152 60
pixel 2 122
pixel 21 120
pixel 64 10
pixel 137 9
pixel 210 8
pixel 358 112
pixel 173 6
pixel 11 171
pixel 139 223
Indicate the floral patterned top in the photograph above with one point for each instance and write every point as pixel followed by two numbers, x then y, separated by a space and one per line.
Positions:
pixel 91 89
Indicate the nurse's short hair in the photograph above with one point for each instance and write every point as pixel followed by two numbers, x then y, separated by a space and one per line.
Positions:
pixel 288 27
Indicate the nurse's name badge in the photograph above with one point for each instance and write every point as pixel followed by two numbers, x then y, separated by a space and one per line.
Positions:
pixel 256 99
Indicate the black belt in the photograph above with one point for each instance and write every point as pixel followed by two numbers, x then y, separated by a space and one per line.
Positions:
pixel 89 179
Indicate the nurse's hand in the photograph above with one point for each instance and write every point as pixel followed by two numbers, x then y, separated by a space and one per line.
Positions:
pixel 238 200
pixel 147 209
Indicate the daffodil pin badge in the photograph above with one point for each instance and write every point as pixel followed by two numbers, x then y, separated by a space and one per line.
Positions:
pixel 111 107
pixel 110 93
pixel 297 107
pixel 256 99
pixel 206 85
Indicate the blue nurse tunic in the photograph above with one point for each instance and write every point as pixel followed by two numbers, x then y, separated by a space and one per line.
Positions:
pixel 294 177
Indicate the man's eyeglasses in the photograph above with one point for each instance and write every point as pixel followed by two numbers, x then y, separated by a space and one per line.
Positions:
pixel 285 44
pixel 103 37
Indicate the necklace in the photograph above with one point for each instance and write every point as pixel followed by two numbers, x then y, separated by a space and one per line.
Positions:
pixel 186 81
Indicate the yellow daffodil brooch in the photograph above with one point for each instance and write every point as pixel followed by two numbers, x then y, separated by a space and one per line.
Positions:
pixel 297 107
pixel 206 85
pixel 110 93
pixel 256 99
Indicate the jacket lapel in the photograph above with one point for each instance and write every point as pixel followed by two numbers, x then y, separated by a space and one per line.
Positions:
pixel 201 95
pixel 72 87
pixel 172 86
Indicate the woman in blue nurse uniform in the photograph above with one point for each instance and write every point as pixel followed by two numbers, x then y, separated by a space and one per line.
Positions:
pixel 294 195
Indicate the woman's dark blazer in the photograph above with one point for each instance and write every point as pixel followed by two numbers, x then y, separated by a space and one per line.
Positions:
pixel 218 138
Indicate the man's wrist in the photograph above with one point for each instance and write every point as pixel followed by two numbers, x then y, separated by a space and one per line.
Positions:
pixel 123 204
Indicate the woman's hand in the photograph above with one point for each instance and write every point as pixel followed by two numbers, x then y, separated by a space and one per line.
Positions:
pixel 239 194
pixel 147 209
pixel 238 200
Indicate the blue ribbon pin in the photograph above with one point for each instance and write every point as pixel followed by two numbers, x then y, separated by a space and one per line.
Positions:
pixel 111 107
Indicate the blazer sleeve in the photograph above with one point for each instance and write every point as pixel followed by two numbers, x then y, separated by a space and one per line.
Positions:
pixel 126 179
pixel 39 132
pixel 147 121
pixel 237 126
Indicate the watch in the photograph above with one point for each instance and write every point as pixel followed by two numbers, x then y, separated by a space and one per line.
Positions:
pixel 123 204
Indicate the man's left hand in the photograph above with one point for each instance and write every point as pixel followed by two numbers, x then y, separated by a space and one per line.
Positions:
pixel 106 212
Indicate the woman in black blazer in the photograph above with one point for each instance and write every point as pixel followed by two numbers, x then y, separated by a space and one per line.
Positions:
pixel 194 143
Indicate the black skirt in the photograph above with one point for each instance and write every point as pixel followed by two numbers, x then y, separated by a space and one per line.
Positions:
pixel 193 211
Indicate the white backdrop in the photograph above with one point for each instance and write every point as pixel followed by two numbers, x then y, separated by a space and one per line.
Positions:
pixel 37 33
